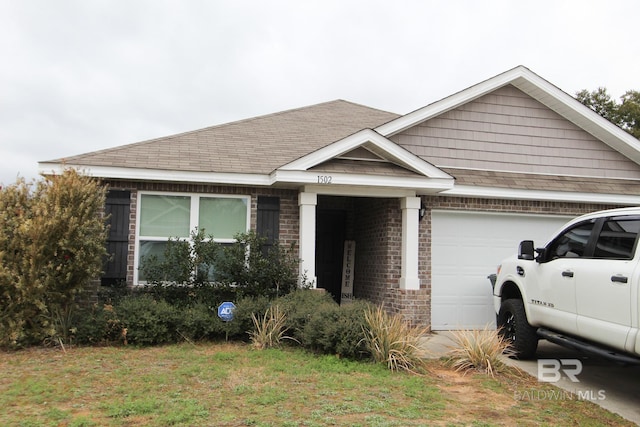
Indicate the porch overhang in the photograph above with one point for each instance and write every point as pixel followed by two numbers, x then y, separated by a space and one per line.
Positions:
pixel 359 184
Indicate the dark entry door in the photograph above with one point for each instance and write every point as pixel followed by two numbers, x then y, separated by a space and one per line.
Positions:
pixel 330 235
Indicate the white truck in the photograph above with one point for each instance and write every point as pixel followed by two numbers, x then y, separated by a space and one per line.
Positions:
pixel 580 290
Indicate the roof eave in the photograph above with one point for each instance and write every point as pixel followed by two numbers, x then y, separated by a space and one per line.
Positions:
pixel 340 179
pixel 541 195
pixel 158 175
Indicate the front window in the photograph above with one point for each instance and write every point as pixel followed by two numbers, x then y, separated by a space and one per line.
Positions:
pixel 572 243
pixel 165 216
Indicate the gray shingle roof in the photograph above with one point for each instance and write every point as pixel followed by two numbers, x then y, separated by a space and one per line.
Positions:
pixel 256 145
pixel 547 182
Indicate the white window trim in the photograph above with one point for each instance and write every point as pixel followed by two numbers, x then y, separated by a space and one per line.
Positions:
pixel 193 220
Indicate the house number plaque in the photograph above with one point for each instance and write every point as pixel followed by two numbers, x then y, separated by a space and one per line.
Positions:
pixel 324 179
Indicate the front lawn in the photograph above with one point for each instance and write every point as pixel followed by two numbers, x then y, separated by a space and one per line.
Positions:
pixel 234 385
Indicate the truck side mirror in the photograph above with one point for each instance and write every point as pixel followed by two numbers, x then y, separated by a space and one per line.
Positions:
pixel 525 250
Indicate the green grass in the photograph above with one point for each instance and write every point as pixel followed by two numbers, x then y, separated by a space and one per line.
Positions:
pixel 235 385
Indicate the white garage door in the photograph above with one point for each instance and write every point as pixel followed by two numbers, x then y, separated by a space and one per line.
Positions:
pixel 465 248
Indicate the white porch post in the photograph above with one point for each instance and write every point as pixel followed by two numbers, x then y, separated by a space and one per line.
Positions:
pixel 307 203
pixel 409 278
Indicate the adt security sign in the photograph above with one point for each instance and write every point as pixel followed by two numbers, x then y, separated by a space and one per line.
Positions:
pixel 225 311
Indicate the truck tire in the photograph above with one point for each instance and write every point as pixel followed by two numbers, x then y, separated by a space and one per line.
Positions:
pixel 516 330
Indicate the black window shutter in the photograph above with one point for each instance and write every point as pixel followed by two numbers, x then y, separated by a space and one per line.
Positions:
pixel 268 220
pixel 117 208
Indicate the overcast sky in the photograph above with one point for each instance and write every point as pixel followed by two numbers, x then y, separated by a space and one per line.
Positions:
pixel 83 75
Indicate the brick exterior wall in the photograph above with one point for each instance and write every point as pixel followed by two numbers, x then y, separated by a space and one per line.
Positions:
pixel 378 246
pixel 289 212
pixel 377 266
pixel 376 226
pixel 378 235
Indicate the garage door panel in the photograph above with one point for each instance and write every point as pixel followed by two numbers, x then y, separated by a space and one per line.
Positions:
pixel 466 248
pixel 463 312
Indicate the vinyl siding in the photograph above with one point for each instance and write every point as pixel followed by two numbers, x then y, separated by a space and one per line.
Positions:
pixel 509 131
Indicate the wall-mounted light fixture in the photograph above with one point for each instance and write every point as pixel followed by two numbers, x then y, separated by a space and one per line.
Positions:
pixel 422 212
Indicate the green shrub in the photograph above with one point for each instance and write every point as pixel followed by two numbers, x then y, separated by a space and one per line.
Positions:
pixel 197 322
pixel 97 324
pixel 256 270
pixel 242 324
pixel 337 329
pixel 300 305
pixel 181 295
pixel 147 321
pixel 144 319
pixel 206 271
pixel 112 294
pixel 52 242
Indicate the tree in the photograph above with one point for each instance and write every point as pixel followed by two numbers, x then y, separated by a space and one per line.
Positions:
pixel 625 114
pixel 629 112
pixel 52 243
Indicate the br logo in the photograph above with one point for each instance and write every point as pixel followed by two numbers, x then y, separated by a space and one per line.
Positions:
pixel 550 370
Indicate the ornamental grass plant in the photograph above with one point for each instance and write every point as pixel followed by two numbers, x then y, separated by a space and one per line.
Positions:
pixel 393 341
pixel 269 329
pixel 480 350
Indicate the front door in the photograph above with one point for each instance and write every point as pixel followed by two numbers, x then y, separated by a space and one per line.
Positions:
pixel 330 236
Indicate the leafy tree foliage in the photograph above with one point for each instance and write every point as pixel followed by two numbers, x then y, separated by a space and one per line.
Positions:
pixel 52 242
pixel 255 269
pixel 203 268
pixel 625 114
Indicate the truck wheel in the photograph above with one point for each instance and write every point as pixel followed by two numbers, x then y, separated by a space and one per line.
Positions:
pixel 513 326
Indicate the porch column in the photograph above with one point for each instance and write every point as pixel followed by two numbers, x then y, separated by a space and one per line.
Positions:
pixel 409 278
pixel 307 203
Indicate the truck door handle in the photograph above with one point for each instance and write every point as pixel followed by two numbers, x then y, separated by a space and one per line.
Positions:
pixel 619 278
pixel 567 273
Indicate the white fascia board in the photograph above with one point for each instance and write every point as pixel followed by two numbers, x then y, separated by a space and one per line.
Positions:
pixel 359 191
pixel 159 175
pixel 543 195
pixel 346 179
pixel 330 151
pixel 391 151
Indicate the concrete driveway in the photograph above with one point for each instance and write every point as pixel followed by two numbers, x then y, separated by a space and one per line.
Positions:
pixel 610 385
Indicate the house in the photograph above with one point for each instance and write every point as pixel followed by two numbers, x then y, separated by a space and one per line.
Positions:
pixel 428 202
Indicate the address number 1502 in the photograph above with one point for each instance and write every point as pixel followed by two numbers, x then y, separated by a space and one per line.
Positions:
pixel 324 179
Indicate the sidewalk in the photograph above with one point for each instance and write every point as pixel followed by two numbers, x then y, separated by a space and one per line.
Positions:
pixel 438 344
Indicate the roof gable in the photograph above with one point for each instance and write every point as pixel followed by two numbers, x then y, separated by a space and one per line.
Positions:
pixel 507 130
pixel 373 142
pixel 540 90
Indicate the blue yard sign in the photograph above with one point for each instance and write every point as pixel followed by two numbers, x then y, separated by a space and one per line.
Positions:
pixel 225 311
